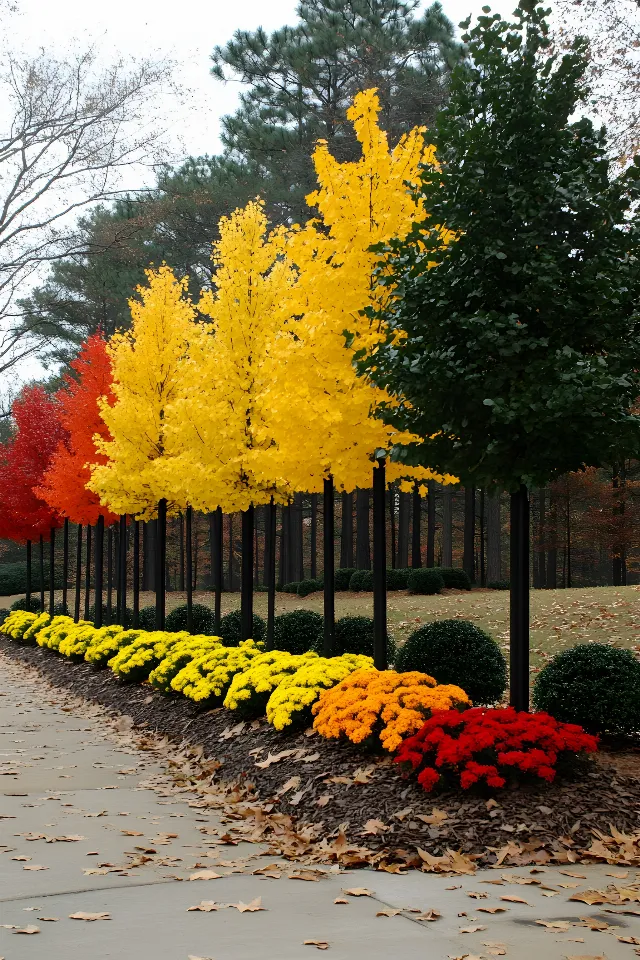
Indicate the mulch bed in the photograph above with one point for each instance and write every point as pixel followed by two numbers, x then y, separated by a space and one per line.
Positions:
pixel 560 817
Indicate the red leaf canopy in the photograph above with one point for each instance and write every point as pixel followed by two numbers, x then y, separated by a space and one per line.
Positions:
pixel 23 463
pixel 63 485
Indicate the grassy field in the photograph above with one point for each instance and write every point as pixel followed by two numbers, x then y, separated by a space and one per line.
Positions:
pixel 559 618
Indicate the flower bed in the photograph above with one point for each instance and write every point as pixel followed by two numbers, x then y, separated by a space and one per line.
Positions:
pixel 383 706
pixel 491 746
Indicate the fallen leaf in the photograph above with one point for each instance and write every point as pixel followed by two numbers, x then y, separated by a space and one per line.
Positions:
pixel 491 909
pixel 474 929
pixel 429 916
pixel 30 929
pixel 340 900
pixel 363 775
pixel 388 912
pixel 511 899
pixel 560 925
pixel 49 919
pixel 131 833
pixel 248 907
pixel 205 906
pixel 22 859
pixel 291 784
pixel 311 875
pixel 35 866
pixel 319 944
pixel 206 875
pixel 373 828
pixel 633 940
pixel 358 892
pixel 89 916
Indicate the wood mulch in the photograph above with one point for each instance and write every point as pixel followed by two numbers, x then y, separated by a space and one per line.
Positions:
pixel 336 785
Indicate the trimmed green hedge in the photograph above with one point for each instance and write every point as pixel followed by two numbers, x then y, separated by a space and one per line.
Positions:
pixel 13 578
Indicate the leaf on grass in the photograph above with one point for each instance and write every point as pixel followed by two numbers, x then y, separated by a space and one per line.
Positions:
pixel 248 907
pixel 205 906
pixel 206 875
pixel 358 892
pixel 318 944
pixel 90 917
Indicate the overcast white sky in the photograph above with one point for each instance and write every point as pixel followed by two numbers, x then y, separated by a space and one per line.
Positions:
pixel 186 32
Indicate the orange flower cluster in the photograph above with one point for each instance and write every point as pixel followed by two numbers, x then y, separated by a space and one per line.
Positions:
pixel 383 704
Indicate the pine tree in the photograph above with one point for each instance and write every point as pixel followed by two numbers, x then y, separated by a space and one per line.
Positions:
pixel 302 79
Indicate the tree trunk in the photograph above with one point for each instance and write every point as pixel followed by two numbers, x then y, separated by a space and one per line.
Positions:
pixel 87 575
pixel 346 534
pixel 447 526
pixel 379 569
pixel 329 567
pixel 297 541
pixel 404 502
pixel 314 536
pixel 181 552
pixel 110 574
pixel 392 524
pixel 136 573
pixel 230 553
pixel 542 538
pixel 519 600
pixel 123 569
pixel 65 563
pixel 28 595
pixel 568 531
pixel 494 538
pixel 76 613
pixel 161 562
pixel 246 590
pixel 482 518
pixel 468 557
pixel 189 559
pixel 431 523
pixel 41 574
pixel 416 547
pixel 99 571
pixel 283 546
pixel 618 551
pixel 217 563
pixel 52 570
pixel 270 569
pixel 363 547
pixel 552 553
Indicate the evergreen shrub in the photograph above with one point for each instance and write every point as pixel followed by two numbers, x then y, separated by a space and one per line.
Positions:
pixel 203 619
pixel 230 628
pixel 425 580
pixel 298 631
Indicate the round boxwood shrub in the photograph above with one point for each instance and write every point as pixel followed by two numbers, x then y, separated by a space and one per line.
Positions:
pixel 459 652
pixel 3 616
pixel 230 628
pixel 290 587
pixel 425 581
pixel 305 587
pixel 297 631
pixel 61 609
pixel 21 604
pixel 361 580
pixel 454 578
pixel 355 635
pixel 342 578
pixel 147 618
pixel 594 685
pixel 397 579
pixel 203 619
pixel 499 585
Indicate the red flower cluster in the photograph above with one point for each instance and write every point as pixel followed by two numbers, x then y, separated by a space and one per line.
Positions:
pixel 491 745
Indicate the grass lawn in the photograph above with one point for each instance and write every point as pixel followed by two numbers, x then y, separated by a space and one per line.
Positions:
pixel 559 618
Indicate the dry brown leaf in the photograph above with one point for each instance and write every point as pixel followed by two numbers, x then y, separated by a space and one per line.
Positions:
pixel 319 944
pixel 131 833
pixel 491 909
pixel 29 929
pixel 311 875
pixel 205 906
pixel 22 859
pixel 511 899
pixel 248 907
pixel 323 800
pixel 35 866
pixel 633 940
pixel 429 916
pixel 274 758
pixel 81 915
pixel 206 875
pixel 586 956
pixel 49 919
pixel 358 892
pixel 592 897
pixel 340 900
pixel 572 873
pixel 363 775
pixel 474 929
pixel 388 912
pixel 560 925
pixel 291 784
pixel 373 828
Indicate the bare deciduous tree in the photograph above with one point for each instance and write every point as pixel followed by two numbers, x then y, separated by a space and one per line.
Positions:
pixel 613 30
pixel 69 129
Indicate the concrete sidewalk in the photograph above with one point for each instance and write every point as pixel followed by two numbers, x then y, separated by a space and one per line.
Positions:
pixel 80 832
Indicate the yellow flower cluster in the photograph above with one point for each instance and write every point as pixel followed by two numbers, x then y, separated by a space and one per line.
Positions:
pixel 135 662
pixel 17 623
pixel 206 679
pixel 77 642
pixel 52 635
pixel 383 703
pixel 42 620
pixel 291 701
pixel 250 690
pixel 180 654
pixel 102 648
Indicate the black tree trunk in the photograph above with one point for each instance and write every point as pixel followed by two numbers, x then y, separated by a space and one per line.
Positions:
pixel 65 563
pixel 136 572
pixel 189 558
pixel 160 562
pixel 123 570
pixel 379 569
pixel 519 600
pixel 87 575
pixel 29 575
pixel 110 574
pixel 76 612
pixel 416 550
pixel 99 570
pixel 41 573
pixel 246 586
pixel 329 567
pixel 52 571
pixel 270 568
pixel 217 572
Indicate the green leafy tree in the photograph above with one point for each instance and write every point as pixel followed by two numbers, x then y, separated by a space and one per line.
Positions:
pixel 302 79
pixel 522 358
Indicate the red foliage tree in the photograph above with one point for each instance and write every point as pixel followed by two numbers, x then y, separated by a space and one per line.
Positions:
pixel 63 485
pixel 24 515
